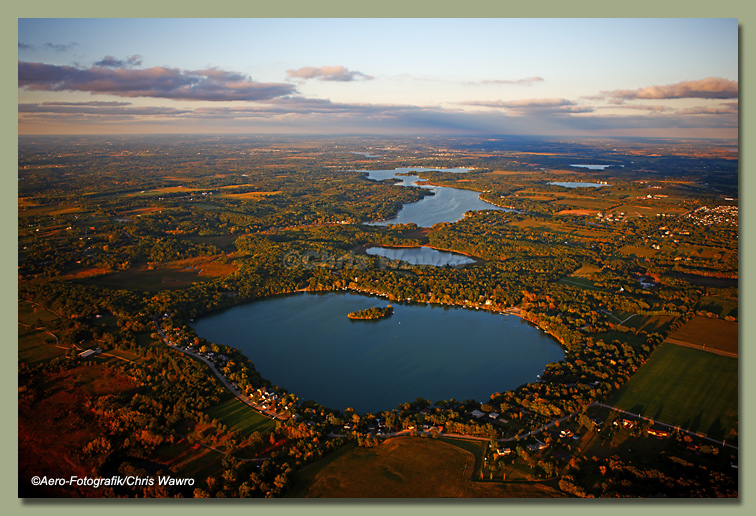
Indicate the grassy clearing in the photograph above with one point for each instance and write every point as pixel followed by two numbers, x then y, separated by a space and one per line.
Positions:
pixel 579 282
pixel 404 467
pixel 586 271
pixel 708 334
pixel 640 252
pixel 190 460
pixel 168 190
pixel 639 322
pixel 34 348
pixel 648 323
pixel 167 275
pixel 28 209
pixel 647 211
pixel 612 335
pixel 29 314
pixel 238 416
pixel 686 387
pixel 586 203
pixel 722 306
pixel 251 196
pixel 34 344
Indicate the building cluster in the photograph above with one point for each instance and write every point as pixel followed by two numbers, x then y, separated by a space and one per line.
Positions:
pixel 611 217
pixel 717 216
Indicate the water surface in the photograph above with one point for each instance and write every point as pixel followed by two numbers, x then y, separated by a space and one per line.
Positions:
pixel 420 255
pixel 306 344
pixel 578 184
pixel 592 167
pixel 445 205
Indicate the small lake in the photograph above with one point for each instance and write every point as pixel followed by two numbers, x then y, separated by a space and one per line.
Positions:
pixel 578 184
pixel 445 205
pixel 306 344
pixel 592 167
pixel 420 255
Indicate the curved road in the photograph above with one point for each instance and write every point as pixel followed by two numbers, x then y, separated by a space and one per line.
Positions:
pixel 238 395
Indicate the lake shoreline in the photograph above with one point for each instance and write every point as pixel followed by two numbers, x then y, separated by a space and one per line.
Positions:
pixel 383 326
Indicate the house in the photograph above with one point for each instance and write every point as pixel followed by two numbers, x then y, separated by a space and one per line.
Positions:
pixel 477 414
pixel 538 445
pixel 658 432
pixel 626 423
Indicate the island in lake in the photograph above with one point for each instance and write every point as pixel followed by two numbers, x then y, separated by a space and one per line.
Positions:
pixel 372 313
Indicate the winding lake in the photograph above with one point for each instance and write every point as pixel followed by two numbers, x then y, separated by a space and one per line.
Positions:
pixel 420 255
pixel 306 344
pixel 445 205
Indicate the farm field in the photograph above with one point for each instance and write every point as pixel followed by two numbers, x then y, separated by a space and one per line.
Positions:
pixel 685 387
pixel 588 204
pixel 648 323
pixel 237 416
pixel 715 335
pixel 579 282
pixel 404 468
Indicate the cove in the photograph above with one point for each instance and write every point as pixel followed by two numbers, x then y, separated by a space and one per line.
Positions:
pixel 445 205
pixel 306 344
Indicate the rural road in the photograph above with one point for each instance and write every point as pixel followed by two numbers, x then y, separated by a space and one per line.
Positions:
pixel 226 383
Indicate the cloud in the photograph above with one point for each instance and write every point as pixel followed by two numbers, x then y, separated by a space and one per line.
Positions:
pixel 90 103
pixel 112 62
pixel 296 114
pixel 708 88
pixel 327 73
pixel 60 47
pixel 528 80
pixel 727 108
pixel 304 107
pixel 637 107
pixel 532 106
pixel 160 82
pixel 109 109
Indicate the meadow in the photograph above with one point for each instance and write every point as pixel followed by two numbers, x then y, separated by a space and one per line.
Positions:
pixel 686 387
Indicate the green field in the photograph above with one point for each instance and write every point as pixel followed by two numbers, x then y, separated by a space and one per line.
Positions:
pixel 238 416
pixel 685 387
pixel 647 323
pixel 579 282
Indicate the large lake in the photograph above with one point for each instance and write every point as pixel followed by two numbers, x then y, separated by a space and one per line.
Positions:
pixel 446 205
pixel 306 344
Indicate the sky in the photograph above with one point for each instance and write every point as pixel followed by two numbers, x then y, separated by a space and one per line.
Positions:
pixel 556 77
